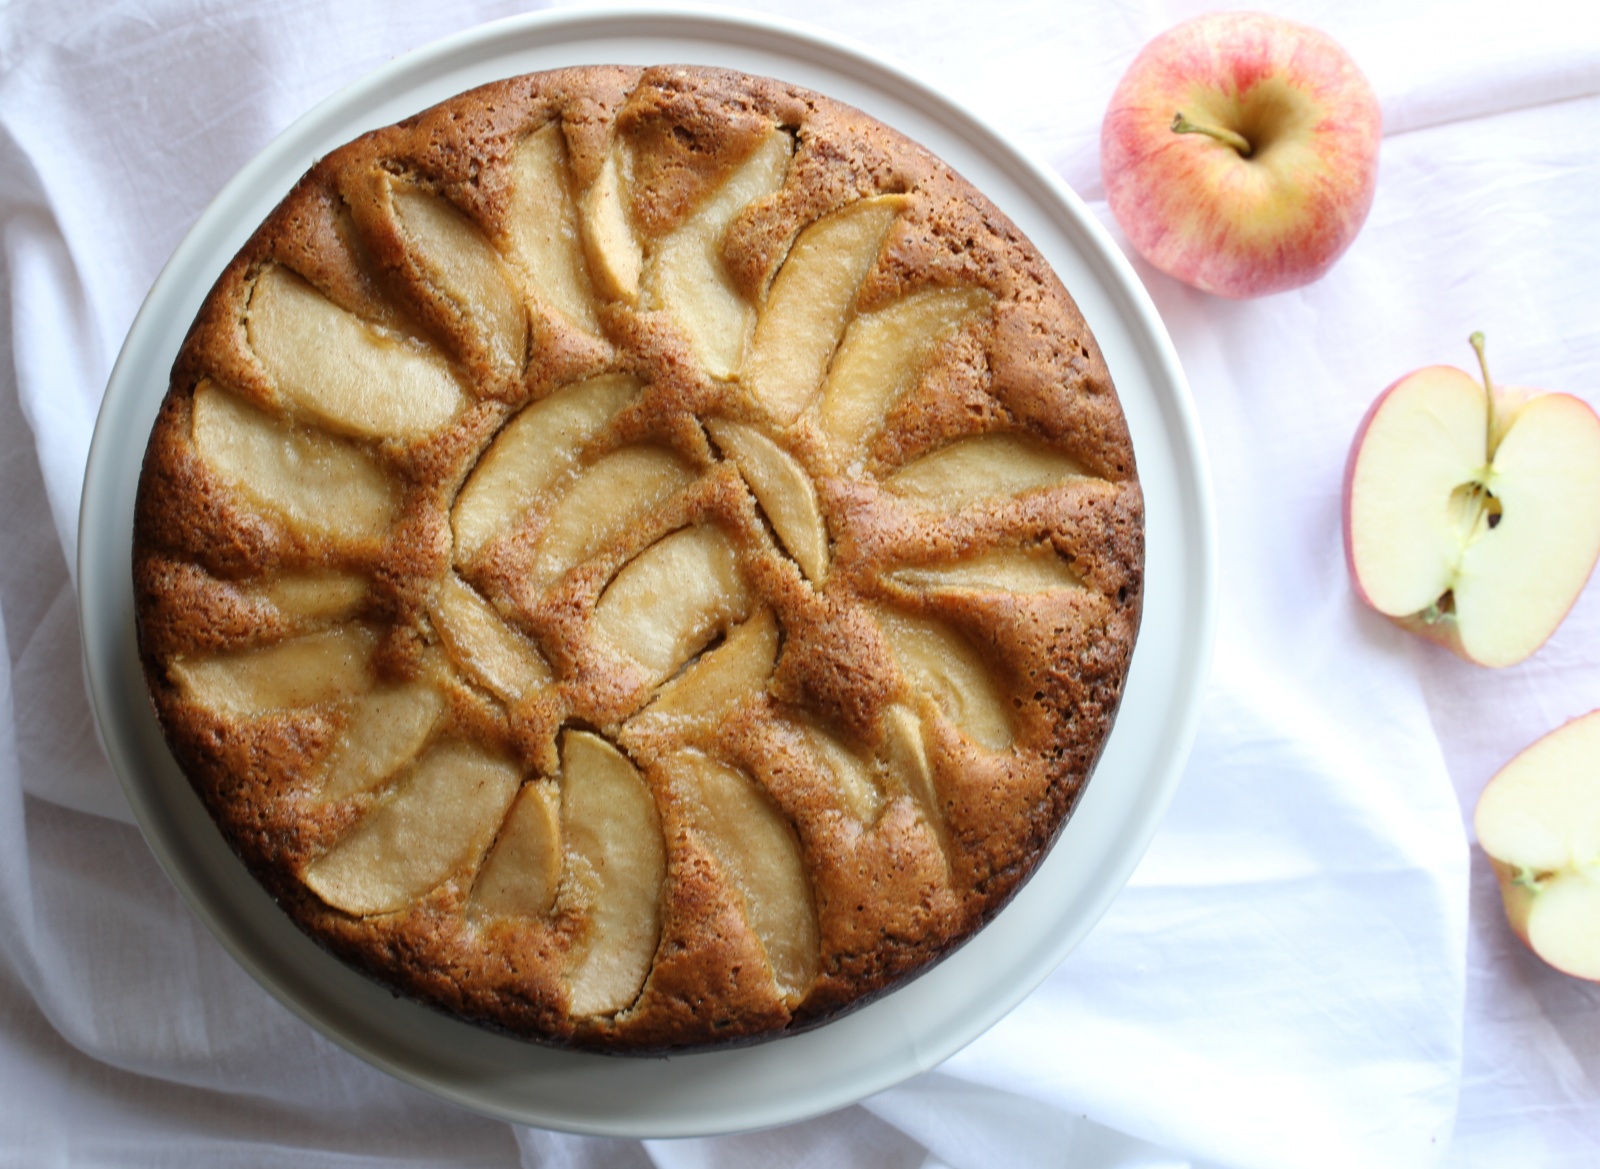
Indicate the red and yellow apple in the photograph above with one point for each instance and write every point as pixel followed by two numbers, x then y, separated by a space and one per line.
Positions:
pixel 1240 153
pixel 1539 821
pixel 1472 511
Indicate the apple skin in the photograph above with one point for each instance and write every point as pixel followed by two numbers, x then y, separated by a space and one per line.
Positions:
pixel 1508 404
pixel 1194 206
pixel 1572 753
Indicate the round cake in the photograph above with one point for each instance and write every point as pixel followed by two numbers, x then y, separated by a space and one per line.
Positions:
pixel 642 559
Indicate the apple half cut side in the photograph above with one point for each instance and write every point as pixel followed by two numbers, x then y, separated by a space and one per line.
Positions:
pixel 1539 821
pixel 1472 511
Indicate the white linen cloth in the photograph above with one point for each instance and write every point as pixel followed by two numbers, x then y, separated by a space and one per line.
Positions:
pixel 1309 968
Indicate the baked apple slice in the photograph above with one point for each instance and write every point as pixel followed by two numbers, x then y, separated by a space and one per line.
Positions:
pixel 483 646
pixel 784 491
pixel 605 501
pixel 347 375
pixel 291 472
pixel 315 596
pixel 522 874
pixel 880 357
pixel 612 246
pixel 386 729
pixel 527 457
pixel 542 237
pixel 1033 568
pixel 939 662
pixel 671 600
pixel 457 260
pixel 758 851
pixel 436 823
pixel 615 866
pixel 988 466
pixel 319 668
pixel 810 303
pixel 685 274
pixel 720 679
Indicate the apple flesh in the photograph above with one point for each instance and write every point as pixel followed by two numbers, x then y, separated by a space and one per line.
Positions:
pixel 1240 153
pixel 1472 512
pixel 1539 821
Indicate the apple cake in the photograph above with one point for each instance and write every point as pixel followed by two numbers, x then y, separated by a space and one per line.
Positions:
pixel 638 558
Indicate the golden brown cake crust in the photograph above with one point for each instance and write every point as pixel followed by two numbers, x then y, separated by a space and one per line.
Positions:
pixel 940 672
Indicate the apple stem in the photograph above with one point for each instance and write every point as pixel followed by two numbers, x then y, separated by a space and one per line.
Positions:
pixel 1182 125
pixel 1477 343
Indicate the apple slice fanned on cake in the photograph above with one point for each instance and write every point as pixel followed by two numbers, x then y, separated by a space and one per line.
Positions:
pixel 941 664
pixel 483 646
pixel 606 499
pixel 685 276
pixel 530 454
pixel 718 680
pixel 385 730
pixel 290 471
pixel 543 242
pixel 759 853
pixel 983 467
pixel 1027 569
pixel 615 865
pixel 670 601
pixel 783 489
pixel 810 303
pixel 849 774
pixel 616 259
pixel 345 374
pixel 319 668
pixel 879 359
pixel 436 822
pixel 522 873
pixel 314 595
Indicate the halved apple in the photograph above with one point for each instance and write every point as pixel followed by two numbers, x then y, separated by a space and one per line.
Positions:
pixel 345 373
pixel 672 599
pixel 530 454
pixel 685 274
pixel 542 227
pixel 292 472
pixel 438 820
pixel 784 491
pixel 810 303
pixel 761 855
pixel 1539 821
pixel 615 866
pixel 1472 511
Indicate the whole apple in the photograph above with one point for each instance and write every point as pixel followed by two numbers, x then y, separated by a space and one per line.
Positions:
pixel 1240 153
pixel 1472 510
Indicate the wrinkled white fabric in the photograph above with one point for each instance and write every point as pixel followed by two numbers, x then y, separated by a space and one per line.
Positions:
pixel 1309 968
